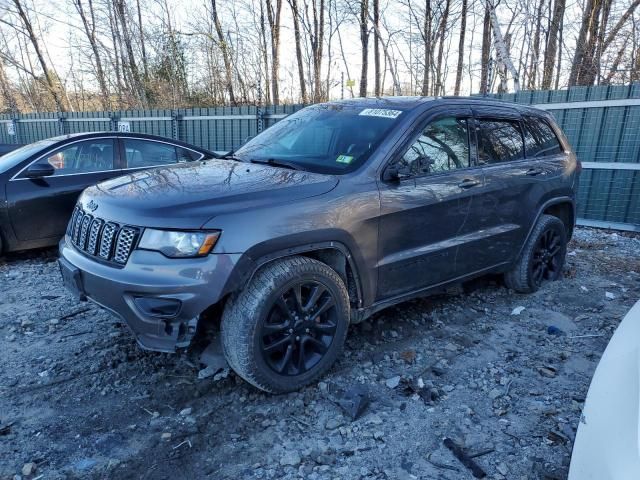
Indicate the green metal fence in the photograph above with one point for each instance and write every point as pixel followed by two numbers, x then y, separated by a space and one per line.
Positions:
pixel 220 128
pixel 602 124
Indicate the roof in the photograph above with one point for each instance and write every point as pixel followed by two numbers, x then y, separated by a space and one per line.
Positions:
pixel 125 134
pixel 409 103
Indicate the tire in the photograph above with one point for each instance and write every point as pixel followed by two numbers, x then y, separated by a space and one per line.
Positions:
pixel 269 337
pixel 542 258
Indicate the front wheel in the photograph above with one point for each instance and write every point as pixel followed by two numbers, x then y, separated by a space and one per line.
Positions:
pixel 288 326
pixel 542 258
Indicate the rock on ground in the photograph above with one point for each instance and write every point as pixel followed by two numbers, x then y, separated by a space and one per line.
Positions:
pixel 495 383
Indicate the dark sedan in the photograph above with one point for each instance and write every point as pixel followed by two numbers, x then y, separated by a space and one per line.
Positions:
pixel 40 182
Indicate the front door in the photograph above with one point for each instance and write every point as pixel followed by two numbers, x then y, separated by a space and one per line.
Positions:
pixel 423 213
pixel 40 208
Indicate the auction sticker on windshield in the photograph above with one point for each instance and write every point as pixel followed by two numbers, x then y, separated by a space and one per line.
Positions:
pixel 380 112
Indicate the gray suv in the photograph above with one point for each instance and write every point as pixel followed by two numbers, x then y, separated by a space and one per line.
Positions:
pixel 336 212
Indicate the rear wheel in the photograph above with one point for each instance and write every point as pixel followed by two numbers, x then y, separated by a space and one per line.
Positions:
pixel 288 326
pixel 542 258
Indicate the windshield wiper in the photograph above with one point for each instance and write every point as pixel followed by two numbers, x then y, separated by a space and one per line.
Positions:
pixel 276 163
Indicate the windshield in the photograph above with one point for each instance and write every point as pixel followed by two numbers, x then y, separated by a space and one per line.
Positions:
pixel 13 158
pixel 328 138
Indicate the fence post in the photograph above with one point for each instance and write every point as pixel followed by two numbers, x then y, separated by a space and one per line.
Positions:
pixel 16 131
pixel 177 126
pixel 63 125
pixel 113 122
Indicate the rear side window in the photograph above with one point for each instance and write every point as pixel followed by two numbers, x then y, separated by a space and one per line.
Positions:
pixel 144 153
pixel 540 140
pixel 499 141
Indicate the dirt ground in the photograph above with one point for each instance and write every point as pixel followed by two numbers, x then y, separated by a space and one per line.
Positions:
pixel 79 399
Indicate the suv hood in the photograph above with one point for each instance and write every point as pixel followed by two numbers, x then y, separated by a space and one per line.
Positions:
pixel 188 195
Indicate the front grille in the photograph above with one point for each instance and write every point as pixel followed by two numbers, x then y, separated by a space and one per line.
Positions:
pixel 106 240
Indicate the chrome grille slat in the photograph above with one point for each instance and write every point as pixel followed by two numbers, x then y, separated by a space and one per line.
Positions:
pixel 106 243
pixel 76 226
pixel 96 237
pixel 84 229
pixel 94 231
pixel 123 245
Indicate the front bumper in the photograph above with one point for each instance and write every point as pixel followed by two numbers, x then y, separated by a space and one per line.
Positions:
pixel 191 284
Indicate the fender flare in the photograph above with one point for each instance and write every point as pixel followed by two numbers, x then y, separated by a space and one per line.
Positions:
pixel 247 267
pixel 541 209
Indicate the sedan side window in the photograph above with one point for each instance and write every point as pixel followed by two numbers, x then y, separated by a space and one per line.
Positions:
pixel 499 141
pixel 443 145
pixel 144 153
pixel 82 157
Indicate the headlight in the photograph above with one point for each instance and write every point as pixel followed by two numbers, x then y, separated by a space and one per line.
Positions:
pixel 179 244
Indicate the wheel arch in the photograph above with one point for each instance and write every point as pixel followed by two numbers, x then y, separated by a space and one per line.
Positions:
pixel 561 206
pixel 335 254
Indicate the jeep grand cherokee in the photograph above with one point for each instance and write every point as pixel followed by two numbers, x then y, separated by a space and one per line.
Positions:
pixel 334 213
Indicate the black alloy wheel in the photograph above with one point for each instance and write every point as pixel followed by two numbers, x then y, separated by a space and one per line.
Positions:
pixel 546 263
pixel 299 328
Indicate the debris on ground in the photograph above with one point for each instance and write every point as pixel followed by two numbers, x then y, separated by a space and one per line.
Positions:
pixel 457 365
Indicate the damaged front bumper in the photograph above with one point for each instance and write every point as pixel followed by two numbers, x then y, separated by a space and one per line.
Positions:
pixel 160 299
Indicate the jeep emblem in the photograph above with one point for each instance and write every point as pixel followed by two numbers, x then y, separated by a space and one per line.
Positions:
pixel 93 206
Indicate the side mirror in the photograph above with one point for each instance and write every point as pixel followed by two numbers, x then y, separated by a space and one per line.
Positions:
pixel 39 170
pixel 393 174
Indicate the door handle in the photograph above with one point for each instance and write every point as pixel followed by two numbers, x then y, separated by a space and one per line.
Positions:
pixel 534 171
pixel 468 183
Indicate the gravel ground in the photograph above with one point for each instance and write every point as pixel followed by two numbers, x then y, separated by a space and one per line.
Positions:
pixel 79 399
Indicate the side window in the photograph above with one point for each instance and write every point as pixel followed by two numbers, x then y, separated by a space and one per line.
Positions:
pixel 540 139
pixel 145 153
pixel 443 145
pixel 185 155
pixel 499 141
pixel 82 157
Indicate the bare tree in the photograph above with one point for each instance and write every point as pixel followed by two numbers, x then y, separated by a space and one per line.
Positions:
pixel 273 14
pixel 463 31
pixel 89 24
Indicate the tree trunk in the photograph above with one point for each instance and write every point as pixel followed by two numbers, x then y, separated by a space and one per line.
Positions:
pixel 552 43
pixel 131 59
pixel 587 27
pixel 364 42
pixel 274 23
pixel 317 45
pixel 426 39
pixel 52 84
pixel 376 47
pixel 143 48
pixel 265 56
pixel 463 28
pixel 533 67
pixel 90 32
pixel 439 87
pixel 296 32
pixel 226 58
pixel 486 45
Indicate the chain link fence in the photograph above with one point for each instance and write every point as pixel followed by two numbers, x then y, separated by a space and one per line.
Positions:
pixel 602 124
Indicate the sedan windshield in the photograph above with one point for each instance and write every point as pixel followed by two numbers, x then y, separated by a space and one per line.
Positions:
pixel 329 138
pixel 14 157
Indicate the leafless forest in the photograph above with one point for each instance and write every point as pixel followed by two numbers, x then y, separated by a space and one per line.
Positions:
pixel 71 55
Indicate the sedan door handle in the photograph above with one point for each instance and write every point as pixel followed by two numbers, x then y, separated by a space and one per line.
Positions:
pixel 468 183
pixel 534 171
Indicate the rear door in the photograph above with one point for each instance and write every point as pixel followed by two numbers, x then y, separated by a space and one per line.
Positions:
pixel 506 203
pixel 423 213
pixel 40 208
